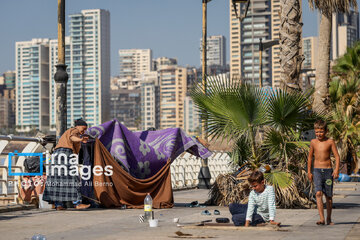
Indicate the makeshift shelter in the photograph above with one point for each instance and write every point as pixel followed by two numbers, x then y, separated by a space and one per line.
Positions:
pixel 140 162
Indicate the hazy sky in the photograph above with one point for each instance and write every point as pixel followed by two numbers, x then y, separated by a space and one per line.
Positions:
pixel 171 28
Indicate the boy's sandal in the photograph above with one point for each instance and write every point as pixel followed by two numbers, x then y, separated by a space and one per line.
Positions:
pixel 205 212
pixel 320 223
pixel 216 212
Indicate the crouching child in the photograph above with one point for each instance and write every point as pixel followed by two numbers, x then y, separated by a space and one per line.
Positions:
pixel 261 206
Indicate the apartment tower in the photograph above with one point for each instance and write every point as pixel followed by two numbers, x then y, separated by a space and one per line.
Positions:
pixel 216 51
pixel 173 86
pixel 32 85
pixel 310 46
pixel 345 32
pixel 150 101
pixel 262 22
pixel 87 54
pixel 133 62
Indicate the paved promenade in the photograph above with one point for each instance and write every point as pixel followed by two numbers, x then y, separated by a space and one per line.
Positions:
pixel 123 224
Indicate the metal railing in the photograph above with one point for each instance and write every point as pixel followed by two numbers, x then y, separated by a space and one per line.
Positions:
pixel 185 169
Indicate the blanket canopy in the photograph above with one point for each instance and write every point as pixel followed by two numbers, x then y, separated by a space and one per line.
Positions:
pixel 144 153
pixel 141 163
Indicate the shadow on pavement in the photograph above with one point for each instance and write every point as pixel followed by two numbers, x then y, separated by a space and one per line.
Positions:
pixel 350 195
pixel 17 214
pixel 191 205
pixel 346 223
pixel 27 213
pixel 345 205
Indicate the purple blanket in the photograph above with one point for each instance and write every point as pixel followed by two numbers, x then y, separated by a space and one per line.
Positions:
pixel 143 154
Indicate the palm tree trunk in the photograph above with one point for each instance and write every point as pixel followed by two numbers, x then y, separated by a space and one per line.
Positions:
pixel 355 163
pixel 321 95
pixel 290 44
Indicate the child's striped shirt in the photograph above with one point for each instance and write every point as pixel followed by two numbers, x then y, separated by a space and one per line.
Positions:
pixel 263 203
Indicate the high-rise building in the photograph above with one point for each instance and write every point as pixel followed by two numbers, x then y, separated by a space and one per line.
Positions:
pixel 193 77
pixel 88 59
pixel 32 84
pixel 150 101
pixel 275 50
pixel 161 62
pixel 192 121
pixel 345 32
pixel 173 86
pixel 132 83
pixel 125 106
pixel 262 22
pixel 9 79
pixel 125 83
pixel 133 62
pixel 216 51
pixel 7 108
pixel 310 50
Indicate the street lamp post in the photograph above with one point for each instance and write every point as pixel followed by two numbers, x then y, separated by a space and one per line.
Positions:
pixel 262 47
pixel 61 76
pixel 204 174
pixel 204 55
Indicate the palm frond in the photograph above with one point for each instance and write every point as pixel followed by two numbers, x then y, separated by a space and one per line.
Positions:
pixel 333 6
pixel 349 63
pixel 288 149
pixel 279 179
pixel 289 110
pixel 241 153
pixel 230 109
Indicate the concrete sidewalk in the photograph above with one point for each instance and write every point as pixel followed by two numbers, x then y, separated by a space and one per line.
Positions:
pixel 123 224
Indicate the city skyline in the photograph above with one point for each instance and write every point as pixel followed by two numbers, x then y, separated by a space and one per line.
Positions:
pixel 152 25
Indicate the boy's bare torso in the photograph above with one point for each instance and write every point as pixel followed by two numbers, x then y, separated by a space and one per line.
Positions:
pixel 322 151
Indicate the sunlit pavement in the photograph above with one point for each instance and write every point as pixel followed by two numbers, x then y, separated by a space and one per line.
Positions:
pixel 124 224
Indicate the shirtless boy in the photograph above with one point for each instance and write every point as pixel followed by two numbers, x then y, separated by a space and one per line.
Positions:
pixel 323 174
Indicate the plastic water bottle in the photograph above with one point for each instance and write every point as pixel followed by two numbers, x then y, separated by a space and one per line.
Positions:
pixel 38 237
pixel 148 207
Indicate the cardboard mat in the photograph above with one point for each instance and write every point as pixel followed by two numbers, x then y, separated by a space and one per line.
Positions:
pixel 230 226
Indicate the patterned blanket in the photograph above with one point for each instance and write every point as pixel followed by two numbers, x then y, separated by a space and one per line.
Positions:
pixel 143 154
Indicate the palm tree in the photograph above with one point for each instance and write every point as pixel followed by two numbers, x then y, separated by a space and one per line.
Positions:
pixel 344 127
pixel 348 66
pixel 290 37
pixel 326 9
pixel 239 112
pixel 244 114
pixel 345 85
pixel 344 92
